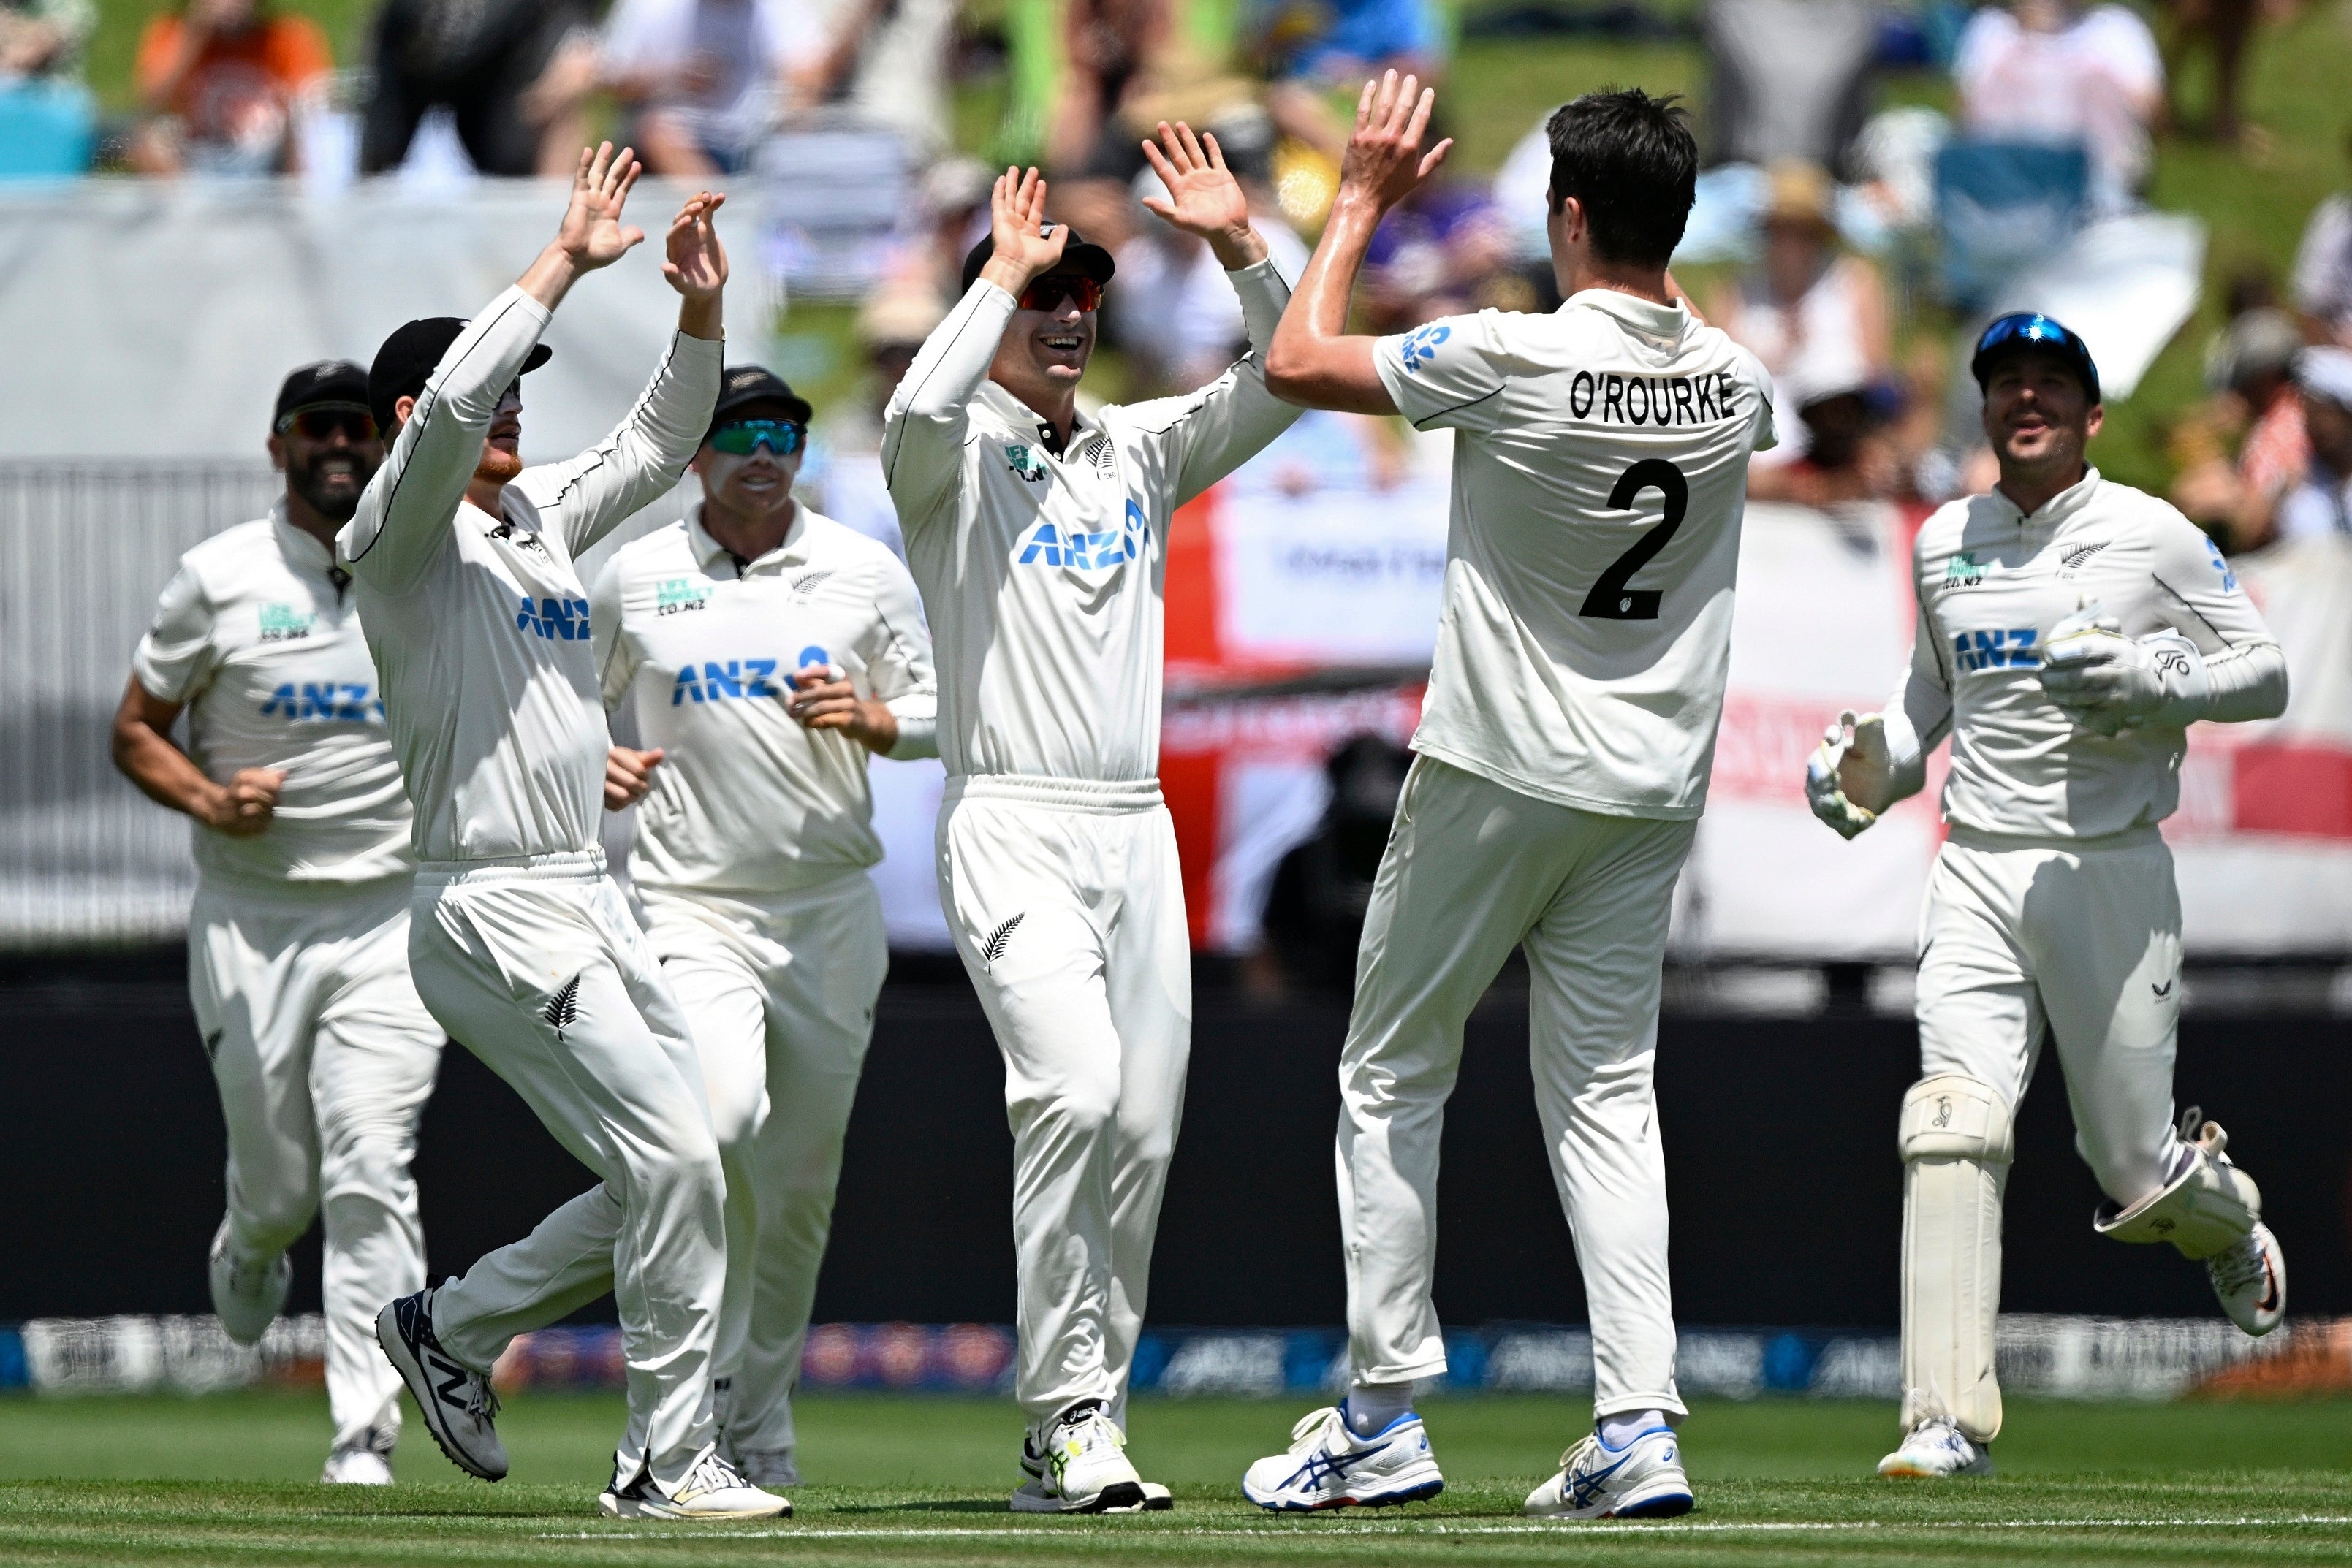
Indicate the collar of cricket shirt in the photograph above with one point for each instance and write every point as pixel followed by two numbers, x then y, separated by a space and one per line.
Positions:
pixel 708 550
pixel 301 545
pixel 1667 323
pixel 2058 510
pixel 1028 422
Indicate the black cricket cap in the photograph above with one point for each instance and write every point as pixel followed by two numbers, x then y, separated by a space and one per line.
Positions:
pixel 1078 254
pixel 744 385
pixel 330 383
pixel 408 358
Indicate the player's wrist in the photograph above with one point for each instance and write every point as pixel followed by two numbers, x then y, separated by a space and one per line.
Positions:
pixel 703 316
pixel 1009 273
pixel 1237 248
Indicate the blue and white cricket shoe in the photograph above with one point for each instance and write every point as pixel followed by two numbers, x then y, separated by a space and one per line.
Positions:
pixel 1934 1449
pixel 1643 1479
pixel 1329 1466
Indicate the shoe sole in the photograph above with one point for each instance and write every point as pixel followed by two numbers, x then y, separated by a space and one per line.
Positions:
pixel 420 1388
pixel 1419 1491
pixel 1120 1497
pixel 1669 1499
pixel 1891 1470
pixel 632 1508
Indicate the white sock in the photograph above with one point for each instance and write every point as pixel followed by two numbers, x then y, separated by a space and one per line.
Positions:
pixel 1622 1428
pixel 1372 1406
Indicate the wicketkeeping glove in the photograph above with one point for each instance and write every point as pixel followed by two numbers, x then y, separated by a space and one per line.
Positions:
pixel 2108 683
pixel 1855 750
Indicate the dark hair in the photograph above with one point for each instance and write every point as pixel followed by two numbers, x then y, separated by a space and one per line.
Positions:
pixel 1632 164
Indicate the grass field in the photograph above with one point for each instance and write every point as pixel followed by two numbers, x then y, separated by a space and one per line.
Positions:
pixel 226 1479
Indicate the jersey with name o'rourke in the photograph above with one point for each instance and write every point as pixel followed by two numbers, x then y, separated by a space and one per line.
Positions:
pixel 748 801
pixel 258 637
pixel 1993 584
pixel 478 624
pixel 1600 478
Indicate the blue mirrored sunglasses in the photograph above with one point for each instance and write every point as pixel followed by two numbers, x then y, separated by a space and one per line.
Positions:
pixel 739 437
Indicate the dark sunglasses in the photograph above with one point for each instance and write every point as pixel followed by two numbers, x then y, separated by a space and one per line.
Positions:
pixel 321 424
pixel 740 437
pixel 1048 292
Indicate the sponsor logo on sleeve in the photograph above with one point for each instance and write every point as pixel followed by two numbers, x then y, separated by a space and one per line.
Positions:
pixel 2221 565
pixel 1419 346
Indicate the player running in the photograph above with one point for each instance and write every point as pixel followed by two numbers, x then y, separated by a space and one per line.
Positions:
pixel 1039 535
pixel 298 941
pixel 2070 631
pixel 521 945
pixel 1601 461
pixel 765 651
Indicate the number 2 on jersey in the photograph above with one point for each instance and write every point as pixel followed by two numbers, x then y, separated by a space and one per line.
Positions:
pixel 1610 599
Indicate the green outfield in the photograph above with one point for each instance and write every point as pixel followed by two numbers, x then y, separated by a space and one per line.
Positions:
pixel 224 1480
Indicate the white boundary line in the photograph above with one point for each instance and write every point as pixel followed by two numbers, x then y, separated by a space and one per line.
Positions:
pixel 1565 1528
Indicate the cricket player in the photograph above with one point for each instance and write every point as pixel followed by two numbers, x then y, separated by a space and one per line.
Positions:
pixel 1039 536
pixel 765 652
pixel 2071 629
pixel 298 941
pixel 520 946
pixel 1599 467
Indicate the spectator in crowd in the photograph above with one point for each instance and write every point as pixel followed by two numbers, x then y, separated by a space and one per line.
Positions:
pixel 1310 46
pixel 703 80
pixel 886 61
pixel 2236 500
pixel 2322 504
pixel 1108 46
pixel 506 69
pixel 2058 73
pixel 1842 454
pixel 846 483
pixel 42 39
pixel 224 82
pixel 1816 316
pixel 2323 272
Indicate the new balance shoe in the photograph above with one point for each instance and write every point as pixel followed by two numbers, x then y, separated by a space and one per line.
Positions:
pixel 1084 1467
pixel 366 1463
pixel 1328 1465
pixel 1937 1448
pixel 459 1408
pixel 713 1490
pixel 2250 1281
pixel 247 1293
pixel 1031 1496
pixel 1643 1479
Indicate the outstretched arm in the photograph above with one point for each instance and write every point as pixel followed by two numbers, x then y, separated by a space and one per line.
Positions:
pixel 1314 361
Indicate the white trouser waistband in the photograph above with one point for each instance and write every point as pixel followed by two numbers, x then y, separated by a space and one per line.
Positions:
pixel 565 866
pixel 2138 838
pixel 1067 794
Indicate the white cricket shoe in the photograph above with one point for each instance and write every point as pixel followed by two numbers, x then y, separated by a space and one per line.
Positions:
pixel 1937 1448
pixel 1032 1494
pixel 1083 1467
pixel 712 1489
pixel 248 1293
pixel 1643 1479
pixel 2250 1281
pixel 360 1467
pixel 1328 1465
pixel 459 1407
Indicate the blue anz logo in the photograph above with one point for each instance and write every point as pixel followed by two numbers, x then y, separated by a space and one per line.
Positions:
pixel 552 618
pixel 2221 565
pixel 1045 545
pixel 324 702
pixel 711 682
pixel 1419 346
pixel 2011 649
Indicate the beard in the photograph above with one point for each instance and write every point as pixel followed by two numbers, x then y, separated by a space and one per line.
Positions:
pixel 325 494
pixel 498 466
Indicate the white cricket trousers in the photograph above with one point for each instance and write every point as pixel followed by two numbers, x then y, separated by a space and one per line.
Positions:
pixel 1068 909
pixel 1472 869
pixel 2081 941
pixel 324 1058
pixel 779 991
pixel 535 965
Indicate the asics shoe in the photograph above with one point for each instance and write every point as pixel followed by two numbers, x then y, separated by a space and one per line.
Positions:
pixel 1937 1448
pixel 1084 1469
pixel 1643 1479
pixel 1328 1465
pixel 459 1408
pixel 712 1489
pixel 2250 1281
pixel 1031 1496
pixel 246 1293
pixel 367 1463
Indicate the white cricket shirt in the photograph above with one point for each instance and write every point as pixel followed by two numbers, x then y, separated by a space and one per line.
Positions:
pixel 478 624
pixel 748 801
pixel 1992 583
pixel 1043 572
pixel 258 637
pixel 1599 477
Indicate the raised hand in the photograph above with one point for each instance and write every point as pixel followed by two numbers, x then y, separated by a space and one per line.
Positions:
pixel 1384 160
pixel 592 235
pixel 697 263
pixel 1016 215
pixel 1203 197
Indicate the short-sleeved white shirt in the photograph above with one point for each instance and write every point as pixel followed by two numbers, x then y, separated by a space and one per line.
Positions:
pixel 1599 477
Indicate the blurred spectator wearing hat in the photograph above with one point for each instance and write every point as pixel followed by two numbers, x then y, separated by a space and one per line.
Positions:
pixel 510 72
pixel 844 475
pixel 224 82
pixel 2058 73
pixel 2323 272
pixel 702 79
pixel 1815 315
pixel 2247 369
pixel 2322 504
pixel 43 40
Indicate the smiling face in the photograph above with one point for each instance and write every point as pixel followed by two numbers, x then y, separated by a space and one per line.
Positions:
pixel 1043 355
pixel 756 486
pixel 2038 414
pixel 328 469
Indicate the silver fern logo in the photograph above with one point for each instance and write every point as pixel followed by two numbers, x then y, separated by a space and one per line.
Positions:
pixel 993 948
pixel 808 582
pixel 562 1009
